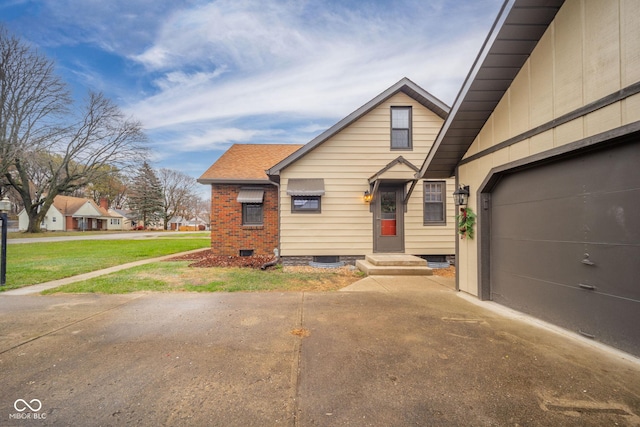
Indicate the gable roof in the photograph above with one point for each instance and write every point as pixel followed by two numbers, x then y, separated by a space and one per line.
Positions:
pixel 246 163
pixel 405 86
pixel 68 205
pixel 513 36
pixel 397 161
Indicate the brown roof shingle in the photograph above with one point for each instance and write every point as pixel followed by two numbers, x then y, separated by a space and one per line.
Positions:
pixel 247 162
pixel 68 205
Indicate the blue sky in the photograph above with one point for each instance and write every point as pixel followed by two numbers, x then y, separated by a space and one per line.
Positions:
pixel 201 75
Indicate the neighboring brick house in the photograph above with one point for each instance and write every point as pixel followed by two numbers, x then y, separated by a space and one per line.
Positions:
pixel 244 203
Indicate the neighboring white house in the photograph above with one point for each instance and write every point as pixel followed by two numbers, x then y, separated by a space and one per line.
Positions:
pixel 75 213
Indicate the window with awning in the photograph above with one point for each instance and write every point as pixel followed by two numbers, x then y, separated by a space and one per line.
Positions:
pixel 252 208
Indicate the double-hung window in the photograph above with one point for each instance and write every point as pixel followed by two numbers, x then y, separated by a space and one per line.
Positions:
pixel 434 203
pixel 401 128
pixel 252 214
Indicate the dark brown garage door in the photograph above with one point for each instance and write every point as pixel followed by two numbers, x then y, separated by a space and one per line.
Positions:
pixel 565 244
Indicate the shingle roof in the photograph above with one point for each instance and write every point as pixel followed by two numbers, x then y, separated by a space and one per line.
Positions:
pixel 246 163
pixel 68 205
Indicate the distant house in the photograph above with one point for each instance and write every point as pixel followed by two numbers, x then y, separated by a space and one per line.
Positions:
pixel 75 213
pixel 546 135
pixel 244 203
pixel 185 224
pixel 311 202
pixel 127 220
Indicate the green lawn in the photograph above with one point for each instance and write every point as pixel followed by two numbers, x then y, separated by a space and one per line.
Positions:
pixel 172 276
pixel 32 263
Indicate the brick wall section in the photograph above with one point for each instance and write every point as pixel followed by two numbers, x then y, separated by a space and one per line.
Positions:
pixel 228 235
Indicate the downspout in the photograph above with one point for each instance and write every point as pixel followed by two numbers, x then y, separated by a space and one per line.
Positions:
pixel 276 250
pixel 266 265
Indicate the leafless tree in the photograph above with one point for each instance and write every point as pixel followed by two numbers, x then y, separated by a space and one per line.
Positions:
pixel 178 189
pixel 48 147
pixel 32 100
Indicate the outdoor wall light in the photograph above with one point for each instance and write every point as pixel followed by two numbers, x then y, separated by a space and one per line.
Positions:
pixel 461 195
pixel 368 196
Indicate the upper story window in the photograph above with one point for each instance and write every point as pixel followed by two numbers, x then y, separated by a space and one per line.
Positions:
pixel 401 128
pixel 435 203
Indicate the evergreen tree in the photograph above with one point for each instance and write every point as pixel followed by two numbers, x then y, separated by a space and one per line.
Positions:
pixel 146 198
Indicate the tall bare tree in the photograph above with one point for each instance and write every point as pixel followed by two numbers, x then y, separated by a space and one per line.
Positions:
pixel 32 100
pixel 47 147
pixel 178 190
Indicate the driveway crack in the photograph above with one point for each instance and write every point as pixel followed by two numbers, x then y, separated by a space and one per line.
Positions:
pixel 75 322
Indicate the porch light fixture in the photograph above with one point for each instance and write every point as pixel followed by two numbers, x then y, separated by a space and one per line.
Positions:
pixel 5 206
pixel 461 195
pixel 368 196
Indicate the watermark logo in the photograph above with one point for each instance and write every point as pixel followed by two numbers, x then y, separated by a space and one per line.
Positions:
pixel 34 406
pixel 21 405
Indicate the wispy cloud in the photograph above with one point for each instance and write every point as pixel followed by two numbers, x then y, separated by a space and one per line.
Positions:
pixel 202 74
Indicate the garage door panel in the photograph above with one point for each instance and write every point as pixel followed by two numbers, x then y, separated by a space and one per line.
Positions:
pixel 550 301
pixel 611 269
pixel 605 318
pixel 543 220
pixel 613 217
pixel 549 261
pixel 546 187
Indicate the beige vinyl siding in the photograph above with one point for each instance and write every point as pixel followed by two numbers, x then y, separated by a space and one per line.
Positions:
pixel 346 162
pixel 590 50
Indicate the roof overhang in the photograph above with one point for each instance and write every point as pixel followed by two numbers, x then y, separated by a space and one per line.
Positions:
pixel 209 181
pixel 513 36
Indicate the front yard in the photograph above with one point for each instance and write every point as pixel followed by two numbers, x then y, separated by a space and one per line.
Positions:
pixel 36 263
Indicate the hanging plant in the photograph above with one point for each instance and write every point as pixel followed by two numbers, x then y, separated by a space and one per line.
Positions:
pixel 466 222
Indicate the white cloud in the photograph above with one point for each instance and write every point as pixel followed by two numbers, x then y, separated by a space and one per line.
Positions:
pixel 202 74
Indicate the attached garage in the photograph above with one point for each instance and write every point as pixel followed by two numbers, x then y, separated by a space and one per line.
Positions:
pixel 564 243
pixel 545 135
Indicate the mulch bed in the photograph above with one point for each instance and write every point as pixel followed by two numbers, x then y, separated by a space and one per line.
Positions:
pixel 206 259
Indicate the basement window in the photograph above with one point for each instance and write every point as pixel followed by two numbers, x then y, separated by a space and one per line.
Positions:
pixel 246 252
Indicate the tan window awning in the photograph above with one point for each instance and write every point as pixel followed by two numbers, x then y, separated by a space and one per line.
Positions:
pixel 305 187
pixel 250 195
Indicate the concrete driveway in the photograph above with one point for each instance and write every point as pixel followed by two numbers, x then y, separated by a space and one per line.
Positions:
pixel 410 353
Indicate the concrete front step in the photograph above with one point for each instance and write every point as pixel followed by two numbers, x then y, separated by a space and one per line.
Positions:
pixel 393 270
pixel 396 260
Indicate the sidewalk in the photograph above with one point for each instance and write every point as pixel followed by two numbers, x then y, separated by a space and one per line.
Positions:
pixel 35 289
